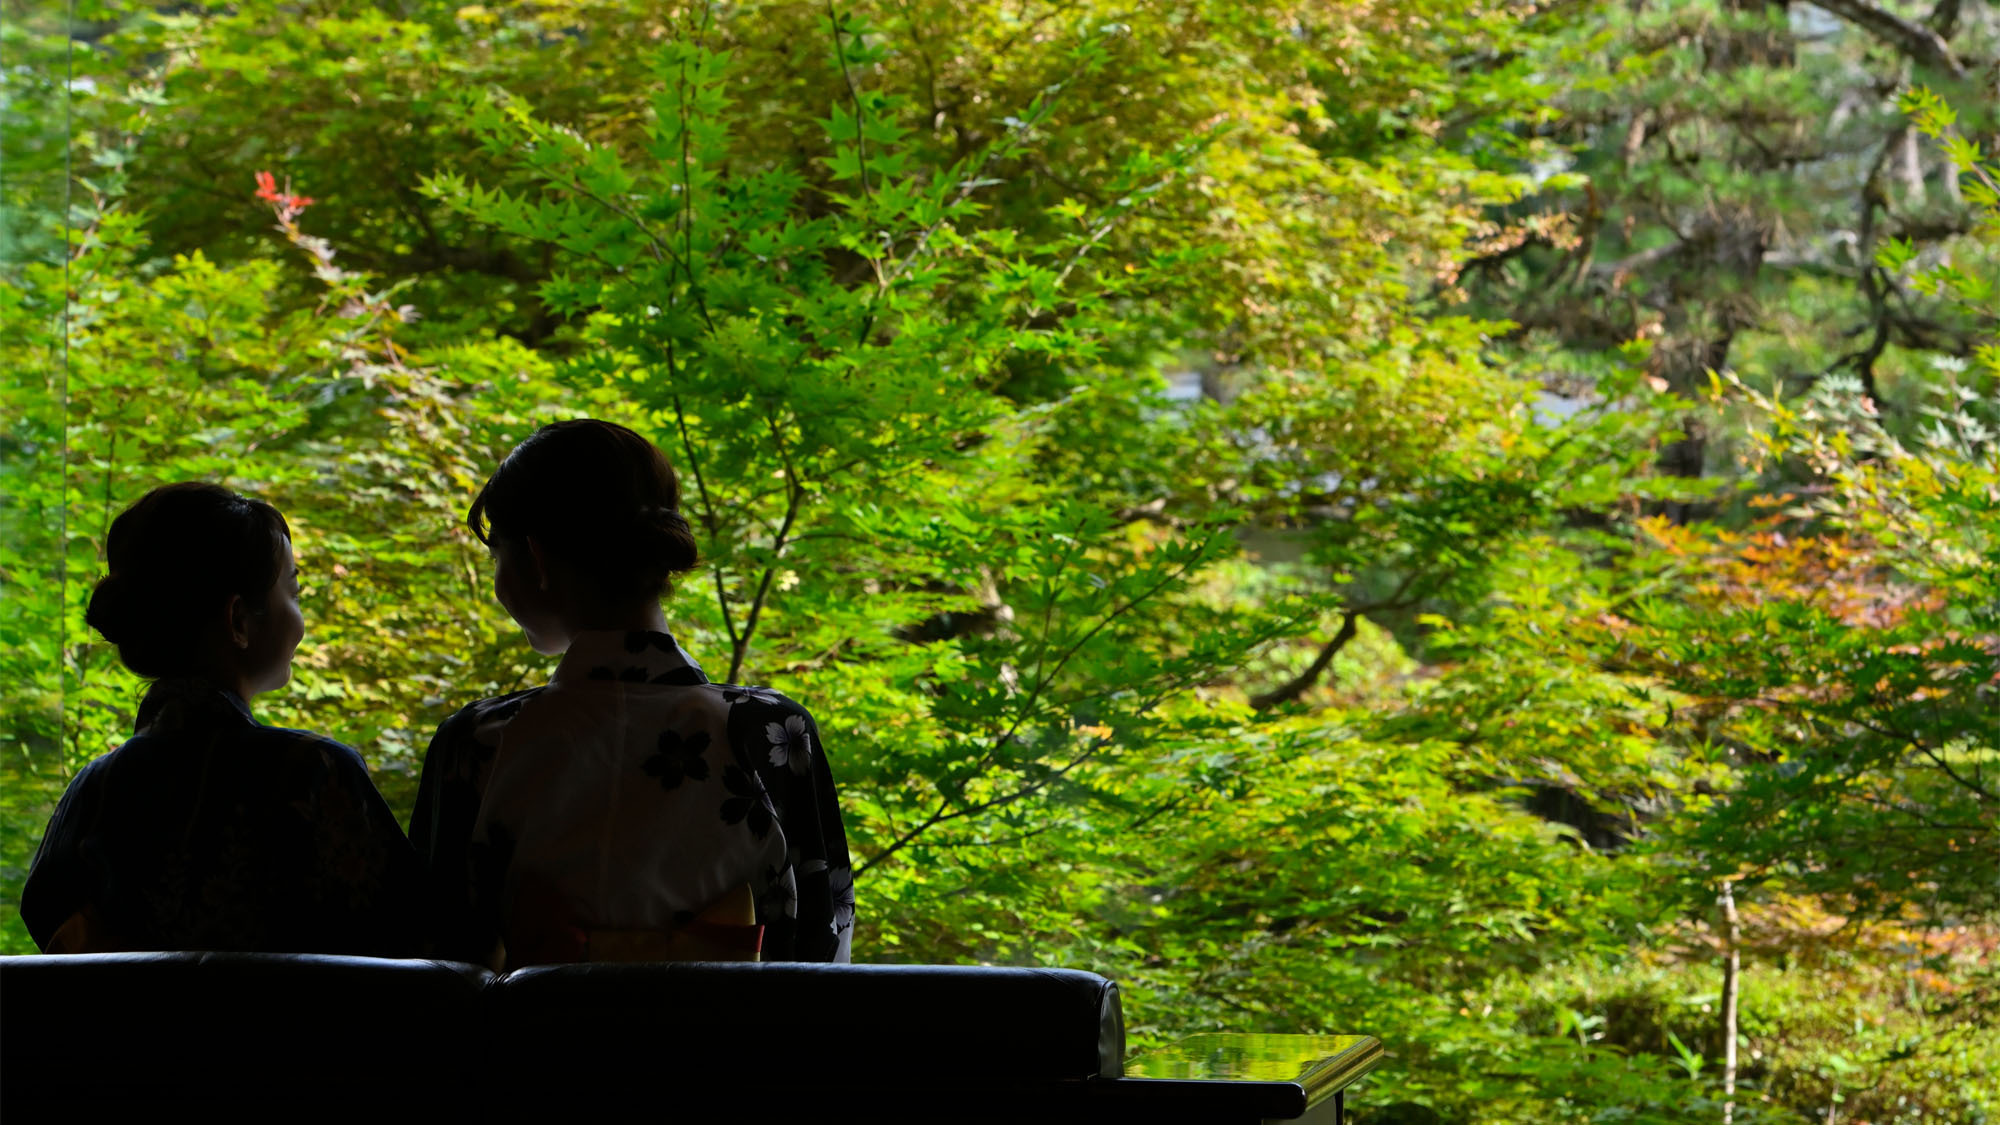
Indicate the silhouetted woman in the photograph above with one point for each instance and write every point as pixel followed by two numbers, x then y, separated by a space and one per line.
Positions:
pixel 207 830
pixel 629 809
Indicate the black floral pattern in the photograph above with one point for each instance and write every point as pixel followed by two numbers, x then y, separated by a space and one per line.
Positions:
pixel 748 803
pixel 681 756
pixel 776 795
pixel 779 900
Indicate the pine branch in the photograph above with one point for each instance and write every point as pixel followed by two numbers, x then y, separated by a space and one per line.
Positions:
pixel 1916 40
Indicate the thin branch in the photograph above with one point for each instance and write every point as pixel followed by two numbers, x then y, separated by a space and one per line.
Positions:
pixel 1298 685
pixel 1619 270
pixel 708 513
pixel 944 812
pixel 1872 280
pixel 687 204
pixel 853 97
pixel 1003 842
pixel 1042 681
pixel 1894 735
pixel 740 645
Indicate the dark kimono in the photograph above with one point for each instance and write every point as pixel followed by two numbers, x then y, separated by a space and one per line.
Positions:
pixel 623 798
pixel 209 831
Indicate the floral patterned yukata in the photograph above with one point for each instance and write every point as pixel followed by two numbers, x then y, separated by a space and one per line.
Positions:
pixel 628 795
pixel 209 831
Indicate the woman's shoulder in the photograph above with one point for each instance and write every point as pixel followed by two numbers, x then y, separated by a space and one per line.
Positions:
pixel 754 699
pixel 157 769
pixel 482 720
pixel 92 775
pixel 306 743
pixel 499 708
pixel 247 746
pixel 774 731
pixel 756 714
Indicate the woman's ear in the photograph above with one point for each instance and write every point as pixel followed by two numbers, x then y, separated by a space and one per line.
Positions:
pixel 238 621
pixel 541 563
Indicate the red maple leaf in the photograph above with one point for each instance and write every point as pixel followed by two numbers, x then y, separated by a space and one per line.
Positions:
pixel 289 205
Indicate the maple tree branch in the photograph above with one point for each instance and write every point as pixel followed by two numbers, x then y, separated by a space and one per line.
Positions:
pixel 795 498
pixel 1350 623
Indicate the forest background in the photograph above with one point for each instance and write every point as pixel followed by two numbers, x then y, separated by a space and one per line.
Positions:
pixel 1469 521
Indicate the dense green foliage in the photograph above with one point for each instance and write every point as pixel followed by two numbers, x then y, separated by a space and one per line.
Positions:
pixel 1341 517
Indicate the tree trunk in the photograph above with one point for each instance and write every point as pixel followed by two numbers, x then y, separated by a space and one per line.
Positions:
pixel 1911 160
pixel 1732 967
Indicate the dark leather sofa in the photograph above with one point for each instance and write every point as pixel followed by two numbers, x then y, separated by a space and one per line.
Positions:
pixel 269 1037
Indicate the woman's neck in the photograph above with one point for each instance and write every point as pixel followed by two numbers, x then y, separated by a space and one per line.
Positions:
pixel 225 674
pixel 648 618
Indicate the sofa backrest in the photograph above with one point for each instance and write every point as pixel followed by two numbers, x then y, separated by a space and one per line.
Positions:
pixel 153 1026
pixel 813 1022
pixel 249 1028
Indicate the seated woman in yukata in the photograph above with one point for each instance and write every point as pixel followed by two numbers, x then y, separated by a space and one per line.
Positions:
pixel 629 809
pixel 207 830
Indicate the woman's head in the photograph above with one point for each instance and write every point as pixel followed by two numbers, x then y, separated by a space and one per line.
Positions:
pixel 585 525
pixel 201 582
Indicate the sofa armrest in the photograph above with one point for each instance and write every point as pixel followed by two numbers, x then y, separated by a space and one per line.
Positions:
pixel 1245 1078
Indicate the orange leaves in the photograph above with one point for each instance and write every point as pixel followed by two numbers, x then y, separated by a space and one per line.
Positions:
pixel 1679 540
pixel 1774 559
pixel 1803 929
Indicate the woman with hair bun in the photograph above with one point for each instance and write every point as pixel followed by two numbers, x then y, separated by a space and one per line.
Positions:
pixel 207 830
pixel 629 809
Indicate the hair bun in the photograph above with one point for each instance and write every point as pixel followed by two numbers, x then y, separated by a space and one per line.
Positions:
pixel 666 540
pixel 113 605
